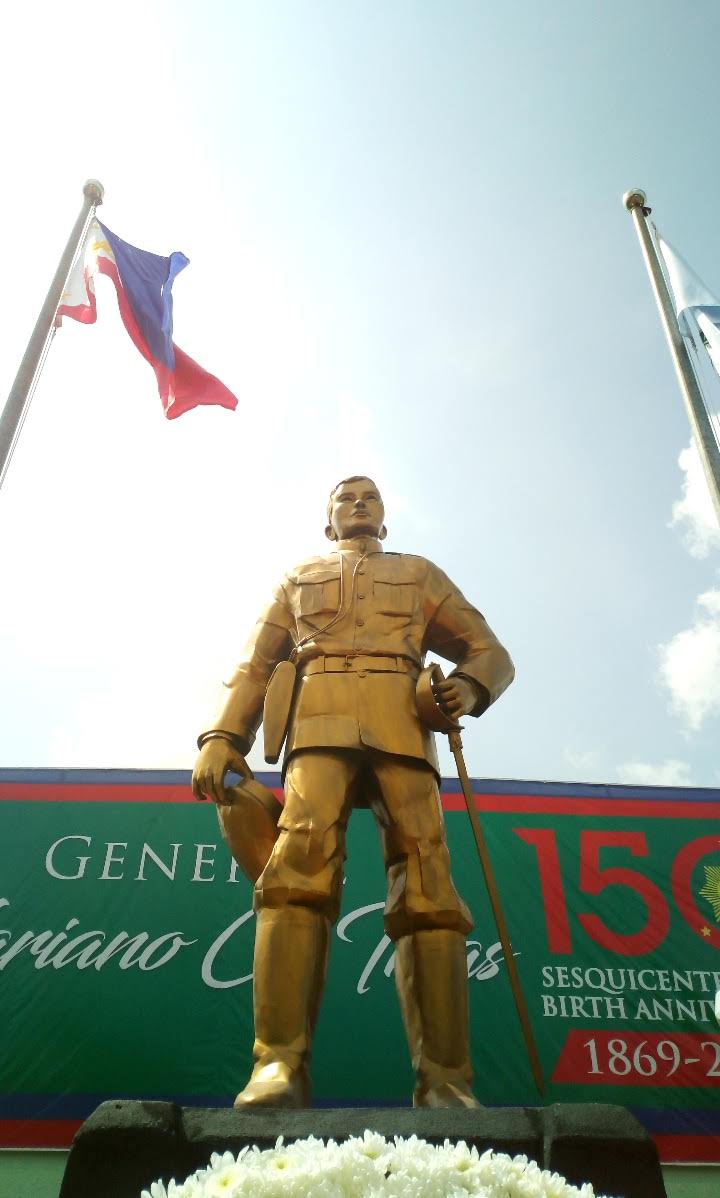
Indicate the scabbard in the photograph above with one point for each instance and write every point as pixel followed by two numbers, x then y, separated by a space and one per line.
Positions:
pixel 276 711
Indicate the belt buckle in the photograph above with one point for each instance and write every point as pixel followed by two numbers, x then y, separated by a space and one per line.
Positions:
pixel 348 660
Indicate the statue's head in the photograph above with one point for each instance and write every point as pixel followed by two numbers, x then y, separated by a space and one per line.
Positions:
pixel 355 509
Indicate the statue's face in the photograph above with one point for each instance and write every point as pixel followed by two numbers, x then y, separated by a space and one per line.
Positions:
pixel 357 510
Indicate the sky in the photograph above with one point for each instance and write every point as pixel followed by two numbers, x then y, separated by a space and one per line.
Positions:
pixel 409 257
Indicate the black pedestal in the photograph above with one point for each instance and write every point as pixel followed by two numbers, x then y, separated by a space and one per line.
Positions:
pixel 124 1146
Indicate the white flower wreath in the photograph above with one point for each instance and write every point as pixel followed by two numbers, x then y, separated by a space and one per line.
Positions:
pixel 370 1167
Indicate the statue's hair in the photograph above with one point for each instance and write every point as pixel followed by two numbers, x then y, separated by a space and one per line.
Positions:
pixel 354 478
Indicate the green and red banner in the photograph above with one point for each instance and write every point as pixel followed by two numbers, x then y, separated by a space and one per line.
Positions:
pixel 126 939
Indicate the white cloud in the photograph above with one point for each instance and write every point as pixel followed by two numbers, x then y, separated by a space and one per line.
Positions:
pixel 690 663
pixel 694 515
pixel 580 760
pixel 670 772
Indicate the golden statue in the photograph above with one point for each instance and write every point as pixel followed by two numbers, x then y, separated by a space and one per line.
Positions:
pixel 344 641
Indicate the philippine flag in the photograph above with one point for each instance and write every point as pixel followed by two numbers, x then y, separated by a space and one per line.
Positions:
pixel 143 282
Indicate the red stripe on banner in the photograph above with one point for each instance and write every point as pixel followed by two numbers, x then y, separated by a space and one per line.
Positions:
pixel 698 1150
pixel 87 792
pixel 143 792
pixel 58 1133
pixel 38 1133
pixel 83 792
pixel 542 805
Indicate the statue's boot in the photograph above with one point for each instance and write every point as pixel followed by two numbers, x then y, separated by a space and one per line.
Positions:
pixel 431 976
pixel 291 951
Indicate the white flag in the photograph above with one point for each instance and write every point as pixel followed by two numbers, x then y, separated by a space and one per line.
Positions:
pixel 693 301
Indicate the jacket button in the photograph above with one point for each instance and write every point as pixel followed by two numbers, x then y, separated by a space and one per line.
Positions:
pixel 360 622
pixel 362 673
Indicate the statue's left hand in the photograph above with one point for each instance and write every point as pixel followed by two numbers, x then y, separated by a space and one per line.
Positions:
pixel 456 696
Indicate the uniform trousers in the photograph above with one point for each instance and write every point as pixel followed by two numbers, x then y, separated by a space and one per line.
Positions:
pixel 306 865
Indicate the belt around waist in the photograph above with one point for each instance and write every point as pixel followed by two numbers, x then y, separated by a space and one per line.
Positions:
pixel 360 663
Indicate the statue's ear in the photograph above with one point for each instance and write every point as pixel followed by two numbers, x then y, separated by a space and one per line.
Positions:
pixel 330 533
pixel 382 534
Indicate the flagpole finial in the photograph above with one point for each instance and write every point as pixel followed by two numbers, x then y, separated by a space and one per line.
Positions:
pixel 94 191
pixel 635 198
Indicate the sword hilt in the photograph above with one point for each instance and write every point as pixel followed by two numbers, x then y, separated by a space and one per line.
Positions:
pixel 431 712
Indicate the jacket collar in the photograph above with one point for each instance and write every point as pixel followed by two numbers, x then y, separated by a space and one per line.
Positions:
pixel 359 545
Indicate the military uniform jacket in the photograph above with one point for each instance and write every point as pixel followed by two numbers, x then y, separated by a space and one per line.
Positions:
pixel 358 623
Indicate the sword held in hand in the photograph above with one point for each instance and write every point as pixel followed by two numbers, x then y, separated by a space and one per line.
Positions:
pixel 432 714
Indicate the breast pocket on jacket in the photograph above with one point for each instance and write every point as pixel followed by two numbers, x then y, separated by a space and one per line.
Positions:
pixel 394 592
pixel 318 593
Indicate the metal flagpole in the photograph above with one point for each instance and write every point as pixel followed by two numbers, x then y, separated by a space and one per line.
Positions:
pixel 20 395
pixel 635 202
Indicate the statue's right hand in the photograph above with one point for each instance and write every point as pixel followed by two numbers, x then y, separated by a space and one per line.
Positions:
pixel 217 756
